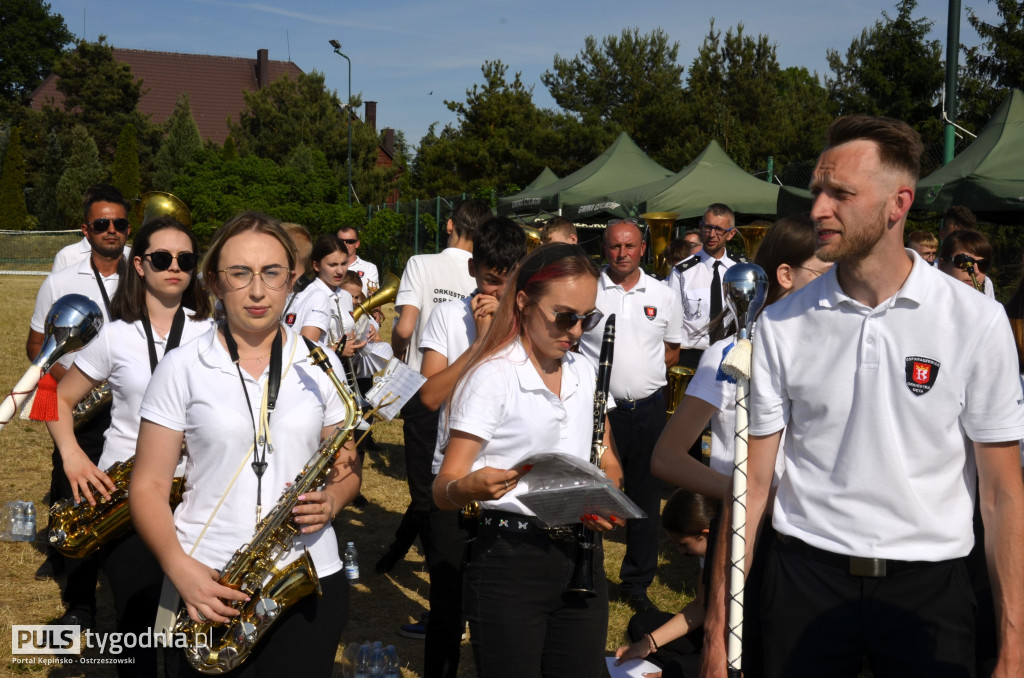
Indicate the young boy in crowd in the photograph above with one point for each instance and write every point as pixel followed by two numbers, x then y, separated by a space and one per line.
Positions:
pixel 925 244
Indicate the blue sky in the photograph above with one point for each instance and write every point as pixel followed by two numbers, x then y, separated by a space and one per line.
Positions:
pixel 410 56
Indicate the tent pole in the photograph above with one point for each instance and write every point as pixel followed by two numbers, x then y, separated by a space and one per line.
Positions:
pixel 952 62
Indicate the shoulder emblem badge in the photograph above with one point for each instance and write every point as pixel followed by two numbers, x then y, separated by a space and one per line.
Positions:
pixel 921 374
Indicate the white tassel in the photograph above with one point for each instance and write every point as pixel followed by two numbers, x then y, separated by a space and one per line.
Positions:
pixel 737 362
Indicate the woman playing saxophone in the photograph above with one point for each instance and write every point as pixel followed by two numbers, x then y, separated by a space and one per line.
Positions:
pixel 157 306
pixel 252 410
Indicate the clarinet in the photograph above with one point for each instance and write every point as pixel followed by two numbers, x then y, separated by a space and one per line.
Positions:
pixel 582 580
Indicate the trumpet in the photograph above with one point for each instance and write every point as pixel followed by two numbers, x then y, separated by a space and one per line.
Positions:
pixel 679 378
pixel 71 323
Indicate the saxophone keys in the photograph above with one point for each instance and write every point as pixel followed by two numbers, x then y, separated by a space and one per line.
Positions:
pixel 245 634
pixel 266 609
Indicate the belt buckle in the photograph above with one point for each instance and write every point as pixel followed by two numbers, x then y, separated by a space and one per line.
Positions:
pixel 867 567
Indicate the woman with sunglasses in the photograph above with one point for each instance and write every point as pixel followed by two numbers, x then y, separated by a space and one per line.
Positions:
pixel 523 392
pixel 965 255
pixel 157 306
pixel 252 409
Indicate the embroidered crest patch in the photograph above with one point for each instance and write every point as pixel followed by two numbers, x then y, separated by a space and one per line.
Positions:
pixel 651 312
pixel 289 319
pixel 360 273
pixel 921 374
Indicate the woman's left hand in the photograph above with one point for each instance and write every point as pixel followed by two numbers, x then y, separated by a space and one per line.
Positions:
pixel 598 523
pixel 314 511
pixel 371 335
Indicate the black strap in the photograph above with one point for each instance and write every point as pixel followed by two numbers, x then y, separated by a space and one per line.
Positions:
pixel 99 281
pixel 173 338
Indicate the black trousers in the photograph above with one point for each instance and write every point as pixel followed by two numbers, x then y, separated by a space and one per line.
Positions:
pixel 636 431
pixel 302 642
pixel 522 621
pixel 135 581
pixel 678 659
pixel 446 561
pixel 80 590
pixel 819 620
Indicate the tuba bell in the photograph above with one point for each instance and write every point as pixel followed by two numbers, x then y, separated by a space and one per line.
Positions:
pixel 161 204
pixel 660 224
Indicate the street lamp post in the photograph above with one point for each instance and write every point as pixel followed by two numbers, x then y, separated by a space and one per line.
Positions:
pixel 348 115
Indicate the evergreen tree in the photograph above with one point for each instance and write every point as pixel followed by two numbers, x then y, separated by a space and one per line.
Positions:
pixel 13 210
pixel 44 194
pixel 126 164
pixel 230 151
pixel 179 148
pixel 31 40
pixel 83 170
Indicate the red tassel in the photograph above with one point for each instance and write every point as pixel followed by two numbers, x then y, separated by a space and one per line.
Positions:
pixel 44 407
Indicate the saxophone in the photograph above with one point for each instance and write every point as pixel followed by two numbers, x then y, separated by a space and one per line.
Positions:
pixel 91 404
pixel 79 530
pixel 213 647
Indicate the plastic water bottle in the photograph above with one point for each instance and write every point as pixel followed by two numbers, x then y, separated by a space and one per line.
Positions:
pixel 20 524
pixel 30 521
pixel 392 667
pixel 363 661
pixel 377 660
pixel 10 522
pixel 351 560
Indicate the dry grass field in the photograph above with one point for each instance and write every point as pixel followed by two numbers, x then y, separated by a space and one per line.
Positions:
pixel 379 604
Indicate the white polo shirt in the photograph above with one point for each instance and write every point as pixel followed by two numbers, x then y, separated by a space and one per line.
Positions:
pixel 196 389
pixel 504 401
pixel 75 252
pixel 450 330
pixel 367 273
pixel 879 404
pixel 712 386
pixel 429 280
pixel 310 308
pixel 692 278
pixel 646 316
pixel 120 355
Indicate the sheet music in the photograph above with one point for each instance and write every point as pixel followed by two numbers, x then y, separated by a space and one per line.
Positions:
pixel 394 388
pixel 631 668
pixel 560 488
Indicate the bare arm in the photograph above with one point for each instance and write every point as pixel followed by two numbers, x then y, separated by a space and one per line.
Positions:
pixel 33 344
pixel 81 472
pixel 402 334
pixel 686 620
pixel 442 377
pixel 1001 493
pixel 455 485
pixel 311 333
pixel 671 460
pixel 671 354
pixel 156 456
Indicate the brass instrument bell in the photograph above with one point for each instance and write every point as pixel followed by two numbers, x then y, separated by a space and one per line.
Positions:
pixel 161 204
pixel 679 378
pixel 660 225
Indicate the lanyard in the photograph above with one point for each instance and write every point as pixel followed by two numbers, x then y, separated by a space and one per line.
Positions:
pixel 173 337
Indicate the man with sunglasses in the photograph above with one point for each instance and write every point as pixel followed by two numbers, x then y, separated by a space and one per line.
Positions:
pixel 699 281
pixel 366 271
pixel 648 332
pixel 106 228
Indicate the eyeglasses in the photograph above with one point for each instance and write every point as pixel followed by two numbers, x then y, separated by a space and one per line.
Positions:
pixel 349 241
pixel 711 228
pixel 161 261
pixel 566 320
pixel 102 224
pixel 967 262
pixel 239 277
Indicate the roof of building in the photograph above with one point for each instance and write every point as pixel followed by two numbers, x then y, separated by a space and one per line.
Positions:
pixel 214 84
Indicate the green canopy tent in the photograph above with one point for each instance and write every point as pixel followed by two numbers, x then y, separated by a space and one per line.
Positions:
pixel 988 176
pixel 545 178
pixel 712 177
pixel 622 165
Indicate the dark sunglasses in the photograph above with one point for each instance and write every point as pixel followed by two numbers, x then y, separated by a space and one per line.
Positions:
pixel 103 223
pixel 567 320
pixel 349 241
pixel 161 261
pixel 966 262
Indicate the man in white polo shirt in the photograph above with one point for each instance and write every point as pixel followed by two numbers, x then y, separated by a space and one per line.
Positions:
pixel 648 330
pixel 699 281
pixel 897 387
pixel 367 272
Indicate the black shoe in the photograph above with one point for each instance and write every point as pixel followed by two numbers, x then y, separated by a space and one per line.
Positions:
pixel 639 601
pixel 416 630
pixel 51 568
pixel 79 618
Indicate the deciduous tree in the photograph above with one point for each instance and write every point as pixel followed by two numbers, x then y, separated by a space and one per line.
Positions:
pixel 31 39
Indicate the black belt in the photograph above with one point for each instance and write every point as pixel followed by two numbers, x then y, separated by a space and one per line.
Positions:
pixel 493 520
pixel 856 566
pixel 627 404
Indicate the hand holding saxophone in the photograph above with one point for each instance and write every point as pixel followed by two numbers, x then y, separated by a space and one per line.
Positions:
pixel 204 596
pixel 85 477
pixel 314 511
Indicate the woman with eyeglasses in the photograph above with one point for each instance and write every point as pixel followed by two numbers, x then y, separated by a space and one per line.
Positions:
pixel 157 306
pixel 523 392
pixel 787 256
pixel 252 409
pixel 965 255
